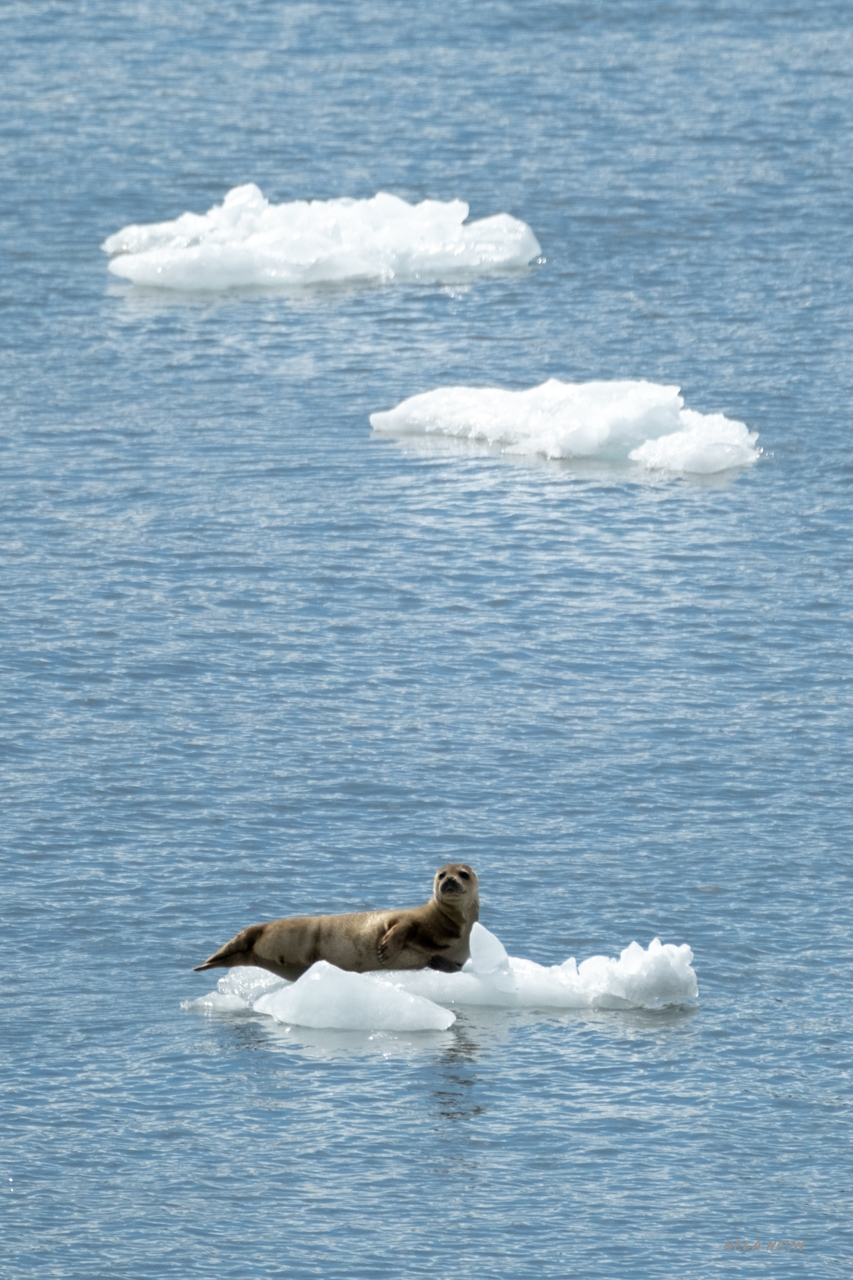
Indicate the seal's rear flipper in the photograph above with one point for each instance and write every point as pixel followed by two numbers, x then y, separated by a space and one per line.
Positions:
pixel 234 952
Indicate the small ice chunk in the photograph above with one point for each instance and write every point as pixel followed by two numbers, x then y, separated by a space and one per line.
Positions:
pixel 238 989
pixel 640 979
pixel 326 996
pixel 615 421
pixel 215 1002
pixel 488 953
pixel 706 444
pixel 246 241
pixel 248 982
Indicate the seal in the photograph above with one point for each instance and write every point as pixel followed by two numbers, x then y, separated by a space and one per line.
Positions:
pixel 434 936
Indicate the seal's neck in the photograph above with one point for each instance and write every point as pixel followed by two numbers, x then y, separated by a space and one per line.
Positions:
pixel 459 912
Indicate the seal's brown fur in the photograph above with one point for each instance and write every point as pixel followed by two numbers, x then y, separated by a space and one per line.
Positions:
pixel 434 936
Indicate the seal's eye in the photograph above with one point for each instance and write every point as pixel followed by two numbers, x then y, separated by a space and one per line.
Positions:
pixel 464 875
pixel 442 874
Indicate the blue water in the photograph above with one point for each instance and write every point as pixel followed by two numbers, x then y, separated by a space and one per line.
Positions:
pixel 257 662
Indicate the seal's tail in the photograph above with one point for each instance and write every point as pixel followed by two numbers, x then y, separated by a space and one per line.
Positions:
pixel 234 952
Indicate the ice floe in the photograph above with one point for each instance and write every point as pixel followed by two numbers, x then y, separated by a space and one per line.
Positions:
pixel 639 421
pixel 416 1000
pixel 328 997
pixel 246 241
pixel 639 979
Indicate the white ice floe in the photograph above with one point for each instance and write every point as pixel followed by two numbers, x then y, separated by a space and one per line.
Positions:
pixel 613 421
pixel 639 979
pixel 328 997
pixel 238 989
pixel 415 1000
pixel 246 241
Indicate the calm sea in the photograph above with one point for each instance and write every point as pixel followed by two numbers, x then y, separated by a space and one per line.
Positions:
pixel 256 661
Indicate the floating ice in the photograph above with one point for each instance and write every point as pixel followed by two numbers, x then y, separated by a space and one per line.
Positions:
pixel 705 444
pixel 247 241
pixel 414 1000
pixel 326 996
pixel 615 421
pixel 639 979
pixel 239 989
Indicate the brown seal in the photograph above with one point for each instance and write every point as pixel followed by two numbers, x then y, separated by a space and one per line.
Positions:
pixel 434 936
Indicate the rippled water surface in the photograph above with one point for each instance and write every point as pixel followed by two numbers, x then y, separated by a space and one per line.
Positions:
pixel 258 661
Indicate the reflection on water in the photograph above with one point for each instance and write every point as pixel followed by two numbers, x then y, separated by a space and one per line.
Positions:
pixel 477 1032
pixel 603 471
pixel 148 300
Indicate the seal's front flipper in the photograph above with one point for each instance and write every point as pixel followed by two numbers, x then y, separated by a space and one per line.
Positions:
pixel 444 966
pixel 392 942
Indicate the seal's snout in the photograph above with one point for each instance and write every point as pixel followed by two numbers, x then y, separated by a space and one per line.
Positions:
pixel 449 885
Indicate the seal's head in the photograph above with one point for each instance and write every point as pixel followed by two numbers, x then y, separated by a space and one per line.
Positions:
pixel 456 890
